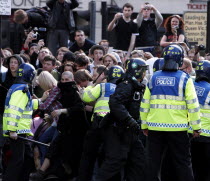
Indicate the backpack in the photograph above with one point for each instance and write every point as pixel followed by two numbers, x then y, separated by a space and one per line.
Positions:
pixel 43 11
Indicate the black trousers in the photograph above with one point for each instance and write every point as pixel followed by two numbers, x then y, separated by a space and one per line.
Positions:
pixel 123 149
pixel 92 143
pixel 20 163
pixel 201 160
pixel 178 145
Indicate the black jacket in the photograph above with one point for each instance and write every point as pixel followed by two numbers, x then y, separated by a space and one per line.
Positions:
pixel 34 20
pixel 125 102
pixel 56 9
pixel 75 120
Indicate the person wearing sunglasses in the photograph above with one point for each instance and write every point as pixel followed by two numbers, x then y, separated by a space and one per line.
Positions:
pixel 147 26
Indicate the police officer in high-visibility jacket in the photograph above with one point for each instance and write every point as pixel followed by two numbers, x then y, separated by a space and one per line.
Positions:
pixel 17 120
pixel 99 93
pixel 169 102
pixel 200 146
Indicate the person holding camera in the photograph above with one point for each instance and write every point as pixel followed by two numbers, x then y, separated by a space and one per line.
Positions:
pixel 61 23
pixel 199 51
pixel 147 27
pixel 30 42
pixel 124 27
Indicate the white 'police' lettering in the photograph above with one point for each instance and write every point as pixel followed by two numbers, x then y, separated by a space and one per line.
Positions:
pixel 165 81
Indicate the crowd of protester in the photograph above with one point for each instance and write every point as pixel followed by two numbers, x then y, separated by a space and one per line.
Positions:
pixel 65 70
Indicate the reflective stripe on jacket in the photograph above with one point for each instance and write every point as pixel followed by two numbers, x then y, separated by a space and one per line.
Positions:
pixel 100 93
pixel 169 102
pixel 18 110
pixel 203 92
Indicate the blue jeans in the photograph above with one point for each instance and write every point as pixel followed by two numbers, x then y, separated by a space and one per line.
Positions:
pixel 46 137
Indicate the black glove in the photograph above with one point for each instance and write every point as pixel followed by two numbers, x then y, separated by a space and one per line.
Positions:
pixel 133 125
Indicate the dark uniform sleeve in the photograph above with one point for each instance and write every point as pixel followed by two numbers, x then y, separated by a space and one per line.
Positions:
pixel 119 100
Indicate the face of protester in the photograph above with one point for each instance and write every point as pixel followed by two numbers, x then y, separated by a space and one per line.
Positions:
pixel 186 68
pixel 6 53
pixel 48 66
pixel 147 11
pixel 127 12
pixel 68 68
pixel 174 22
pixel 80 37
pixel 42 54
pixel 84 83
pixel 105 45
pixel 13 64
pixel 32 50
pixel 97 55
pixel 60 56
pixel 108 60
pixel 66 78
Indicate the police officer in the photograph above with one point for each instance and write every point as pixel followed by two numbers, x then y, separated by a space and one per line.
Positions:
pixel 17 120
pixel 200 146
pixel 169 102
pixel 122 146
pixel 99 93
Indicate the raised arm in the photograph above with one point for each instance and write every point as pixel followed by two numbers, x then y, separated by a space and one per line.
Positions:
pixel 113 23
pixel 158 16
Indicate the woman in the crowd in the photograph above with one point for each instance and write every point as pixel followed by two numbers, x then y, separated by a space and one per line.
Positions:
pixel 48 83
pixel 174 26
pixel 60 53
pixel 109 60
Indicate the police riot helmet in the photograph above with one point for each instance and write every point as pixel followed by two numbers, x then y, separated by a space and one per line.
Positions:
pixel 173 57
pixel 136 67
pixel 114 73
pixel 158 64
pixel 203 71
pixel 26 73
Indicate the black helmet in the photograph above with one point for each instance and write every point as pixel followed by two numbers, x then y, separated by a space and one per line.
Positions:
pixel 26 73
pixel 114 73
pixel 136 67
pixel 203 71
pixel 158 64
pixel 173 57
